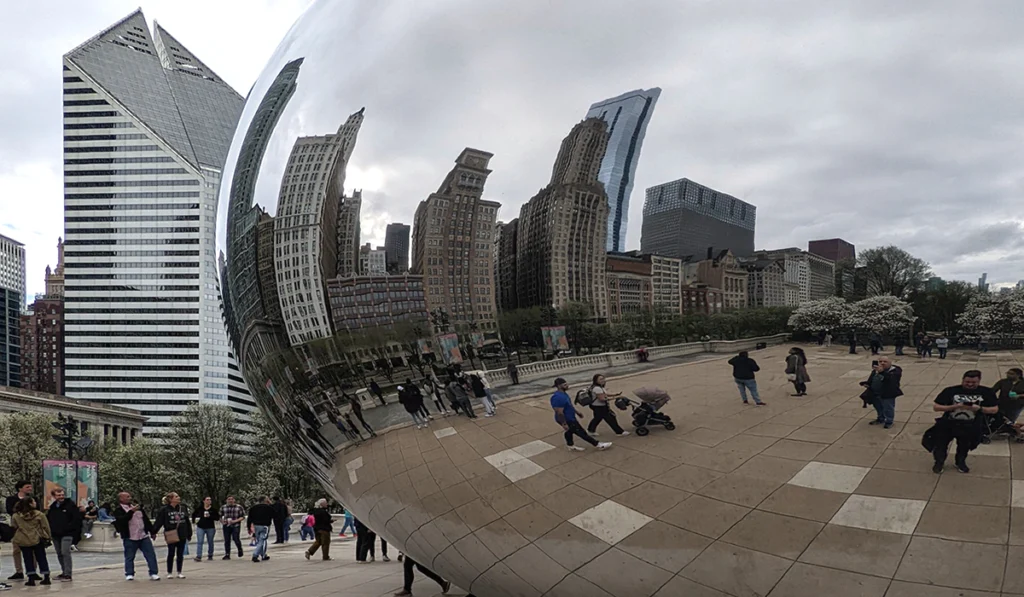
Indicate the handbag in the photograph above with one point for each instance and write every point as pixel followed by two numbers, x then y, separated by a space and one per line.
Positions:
pixel 171 537
pixel 791 376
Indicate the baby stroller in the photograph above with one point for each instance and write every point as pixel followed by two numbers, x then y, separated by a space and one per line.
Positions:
pixel 646 411
pixel 1000 426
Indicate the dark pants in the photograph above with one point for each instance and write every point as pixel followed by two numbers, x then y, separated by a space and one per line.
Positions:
pixel 36 556
pixel 381 398
pixel 603 413
pixel 323 540
pixel 364 545
pixel 278 530
pixel 176 550
pixel 232 533
pixel 515 378
pixel 886 409
pixel 965 434
pixel 926 351
pixel 875 347
pixel 467 406
pixel 800 387
pixel 423 410
pixel 576 429
pixel 853 348
pixel 899 350
pixel 942 352
pixel 366 426
pixel 408 566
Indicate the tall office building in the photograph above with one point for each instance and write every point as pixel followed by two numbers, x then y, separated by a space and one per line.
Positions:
pixel 147 127
pixel 372 262
pixel 305 228
pixel 683 218
pixel 505 266
pixel 453 234
pixel 815 275
pixel 348 234
pixel 833 249
pixel 12 266
pixel 42 334
pixel 627 116
pixel 560 242
pixel 396 248
pixel 12 301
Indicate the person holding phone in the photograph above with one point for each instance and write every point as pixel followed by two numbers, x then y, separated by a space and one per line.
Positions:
pixel 135 530
pixel 205 519
pixel 960 406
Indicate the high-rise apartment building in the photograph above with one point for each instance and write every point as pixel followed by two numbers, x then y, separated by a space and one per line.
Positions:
pixel 11 302
pixel 627 117
pixel 348 234
pixel 147 127
pixel 814 274
pixel 683 218
pixel 396 248
pixel 55 277
pixel 505 266
pixel 372 262
pixel 12 266
pixel 833 249
pixel 666 278
pixel 453 237
pixel 630 287
pixel 305 228
pixel 560 243
pixel 766 285
pixel 42 334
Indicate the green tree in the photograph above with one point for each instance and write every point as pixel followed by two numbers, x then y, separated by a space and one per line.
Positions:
pixel 274 469
pixel 573 315
pixel 891 270
pixel 27 441
pixel 142 468
pixel 939 307
pixel 205 452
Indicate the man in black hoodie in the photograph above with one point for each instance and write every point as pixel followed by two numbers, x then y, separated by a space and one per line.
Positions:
pixel 65 524
pixel 24 489
pixel 743 369
pixel 280 514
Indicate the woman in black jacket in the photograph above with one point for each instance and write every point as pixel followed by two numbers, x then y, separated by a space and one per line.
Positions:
pixel 174 517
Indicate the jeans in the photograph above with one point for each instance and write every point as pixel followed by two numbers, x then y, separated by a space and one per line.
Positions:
pixel 306 533
pixel 36 555
pixel 574 428
pixel 349 524
pixel 748 384
pixel 467 406
pixel 942 352
pixel 603 413
pixel 983 347
pixel 418 418
pixel 260 533
pixel 323 540
pixel 176 550
pixel 145 545
pixel 899 350
pixel 204 535
pixel 926 351
pixel 488 401
pixel 232 533
pixel 886 409
pixel 62 545
pixel 408 565
pixel 288 527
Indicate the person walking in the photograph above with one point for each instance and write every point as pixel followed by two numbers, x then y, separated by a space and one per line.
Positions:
pixel 409 567
pixel 983 343
pixel 65 522
pixel 322 531
pixel 22 490
pixel 882 387
pixel 32 535
pixel 261 516
pixel 743 370
pixel 432 387
pixel 567 416
pixel 960 406
pixel 480 391
pixel 513 373
pixel 357 410
pixel 288 519
pixel 376 391
pixel 349 523
pixel 796 370
pixel 136 531
pixel 173 519
pixel 602 411
pixel 918 337
pixel 417 395
pixel 489 402
pixel 461 393
pixel 412 406
pixel 942 343
pixel 851 339
pixel 205 518
pixel 898 343
pixel 280 514
pixel 926 346
pixel 231 517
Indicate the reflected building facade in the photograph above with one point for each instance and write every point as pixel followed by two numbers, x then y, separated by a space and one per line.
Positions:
pixel 348 233
pixel 396 248
pixel 147 127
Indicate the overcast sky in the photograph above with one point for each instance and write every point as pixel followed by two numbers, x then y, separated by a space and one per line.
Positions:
pixel 879 124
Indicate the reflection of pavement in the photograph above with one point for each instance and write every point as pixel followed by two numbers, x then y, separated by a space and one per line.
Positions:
pixel 798 498
pixel 394 414
pixel 286 573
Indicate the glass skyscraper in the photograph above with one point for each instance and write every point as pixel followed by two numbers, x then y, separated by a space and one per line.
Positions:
pixel 627 116
pixel 147 127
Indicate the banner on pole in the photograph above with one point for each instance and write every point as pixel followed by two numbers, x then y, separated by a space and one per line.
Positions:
pixel 59 473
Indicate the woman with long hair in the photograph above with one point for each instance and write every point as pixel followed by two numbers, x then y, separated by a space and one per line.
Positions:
pixel 173 519
pixel 32 535
pixel 602 410
pixel 796 370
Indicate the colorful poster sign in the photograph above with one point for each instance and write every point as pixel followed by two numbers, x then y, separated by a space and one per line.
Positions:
pixel 554 338
pixel 424 346
pixel 59 473
pixel 88 483
pixel 450 348
pixel 477 339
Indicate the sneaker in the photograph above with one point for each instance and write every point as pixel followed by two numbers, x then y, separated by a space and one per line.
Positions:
pixel 937 468
pixel 46 580
pixel 198 559
pixel 402 593
pixel 373 559
pixel 88 535
pixel 604 445
pixel 5 587
pixel 385 559
pixel 74 547
pixel 265 558
pixel 745 402
pixel 575 448
pixel 255 559
pixel 887 426
pixel 129 577
pixel 180 575
pixel 594 433
pixel 962 467
pixel 623 434
pixel 154 577
pixel 876 422
pixel 761 403
pixel 986 439
pixel 307 555
pixel 400 557
pixel 209 558
pixel 65 578
pixel 31 582
pixel 227 557
pixel 240 554
pixel 17 576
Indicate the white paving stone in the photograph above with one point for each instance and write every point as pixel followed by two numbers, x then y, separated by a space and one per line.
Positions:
pixel 880 514
pixel 1017 497
pixel 830 477
pixel 520 469
pixel 504 457
pixel 533 448
pixel 447 431
pixel 999 447
pixel 610 521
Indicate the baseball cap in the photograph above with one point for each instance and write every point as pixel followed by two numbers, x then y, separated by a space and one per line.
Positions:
pixel 559 381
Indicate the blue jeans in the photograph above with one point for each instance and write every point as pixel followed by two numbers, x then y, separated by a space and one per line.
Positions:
pixel 131 547
pixel 488 401
pixel 418 418
pixel 35 556
pixel 204 536
pixel 886 409
pixel 288 527
pixel 306 533
pixel 260 533
pixel 349 524
pixel 748 384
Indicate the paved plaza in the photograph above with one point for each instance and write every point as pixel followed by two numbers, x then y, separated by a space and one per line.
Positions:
pixel 800 498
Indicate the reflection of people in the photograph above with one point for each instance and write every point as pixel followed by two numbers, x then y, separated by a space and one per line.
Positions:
pixel 513 373
pixel 960 406
pixel 409 567
pixel 376 391
pixel 461 394
pixel 431 387
pixel 357 410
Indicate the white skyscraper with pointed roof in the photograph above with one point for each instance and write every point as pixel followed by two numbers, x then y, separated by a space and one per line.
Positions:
pixel 147 127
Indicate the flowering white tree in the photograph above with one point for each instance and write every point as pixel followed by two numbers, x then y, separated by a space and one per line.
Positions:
pixel 884 314
pixel 824 314
pixel 1001 314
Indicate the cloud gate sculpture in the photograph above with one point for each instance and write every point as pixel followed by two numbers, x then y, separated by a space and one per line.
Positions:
pixel 357 239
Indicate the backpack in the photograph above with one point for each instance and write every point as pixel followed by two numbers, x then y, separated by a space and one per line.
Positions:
pixel 6 532
pixel 585 397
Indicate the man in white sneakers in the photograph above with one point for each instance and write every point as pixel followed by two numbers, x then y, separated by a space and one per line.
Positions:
pixel 567 416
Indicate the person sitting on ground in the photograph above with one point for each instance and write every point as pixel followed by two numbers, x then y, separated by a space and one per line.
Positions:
pixel 743 369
